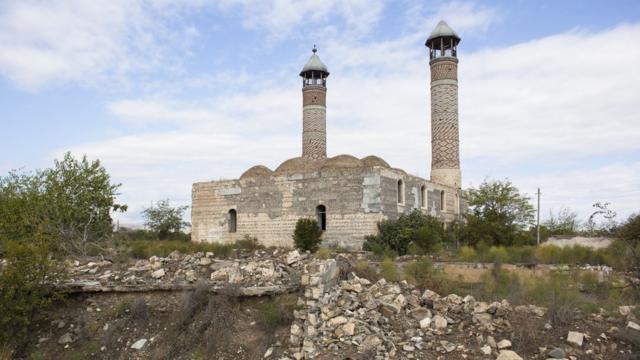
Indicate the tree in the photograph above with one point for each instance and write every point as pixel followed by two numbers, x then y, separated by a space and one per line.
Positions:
pixel 165 220
pixel 629 234
pixel 414 229
pixel 608 223
pixel 498 214
pixel 307 235
pixel 564 222
pixel 71 203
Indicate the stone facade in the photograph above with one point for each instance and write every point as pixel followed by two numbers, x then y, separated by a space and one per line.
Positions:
pixel 356 195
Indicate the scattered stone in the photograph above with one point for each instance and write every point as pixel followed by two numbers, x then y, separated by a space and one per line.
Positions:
pixel 65 339
pixel 504 344
pixel 557 353
pixel 158 274
pixel 576 338
pixel 439 322
pixel 139 344
pixel 633 326
pixel 486 350
pixel 508 355
pixel 268 353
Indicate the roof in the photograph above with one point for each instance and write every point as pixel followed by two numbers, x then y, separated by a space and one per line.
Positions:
pixel 314 64
pixel 442 30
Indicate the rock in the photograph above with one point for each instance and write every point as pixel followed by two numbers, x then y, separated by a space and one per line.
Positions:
pixel 349 328
pixel 439 322
pixel 139 344
pixel 633 326
pixel 448 347
pixel 65 339
pixel 504 344
pixel 420 313
pixel 408 348
pixel 430 295
pixel 425 323
pixel 486 350
pixel 338 320
pixel 268 353
pixel 557 353
pixel 625 310
pixel 293 257
pixel 371 342
pixel 508 355
pixel 576 338
pixel 205 261
pixel 491 342
pixel 58 323
pixel 480 307
pixel 158 274
pixel 190 276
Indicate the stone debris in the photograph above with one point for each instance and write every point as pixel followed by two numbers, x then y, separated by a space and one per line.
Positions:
pixel 356 315
pixel 508 355
pixel 66 338
pixel 262 268
pixel 633 326
pixel 575 338
pixel 139 344
pixel 557 353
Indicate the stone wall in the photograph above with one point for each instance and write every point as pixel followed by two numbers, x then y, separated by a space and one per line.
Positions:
pixel 268 206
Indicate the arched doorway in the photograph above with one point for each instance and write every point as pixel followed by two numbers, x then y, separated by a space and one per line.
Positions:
pixel 321 216
pixel 233 220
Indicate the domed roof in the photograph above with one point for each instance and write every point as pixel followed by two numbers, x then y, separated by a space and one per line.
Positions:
pixel 372 160
pixel 256 171
pixel 342 161
pixel 298 164
pixel 443 30
pixel 314 64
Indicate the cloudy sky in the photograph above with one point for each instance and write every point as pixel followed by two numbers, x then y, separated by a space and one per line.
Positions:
pixel 167 93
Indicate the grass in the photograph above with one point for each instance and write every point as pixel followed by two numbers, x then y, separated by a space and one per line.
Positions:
pixel 547 254
pixel 143 249
pixel 274 314
pixel 388 270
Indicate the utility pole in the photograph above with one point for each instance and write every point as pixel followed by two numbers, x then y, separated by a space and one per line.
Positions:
pixel 538 220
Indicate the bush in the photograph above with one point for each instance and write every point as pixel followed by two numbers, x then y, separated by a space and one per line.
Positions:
pixel 388 270
pixel 422 274
pixel 498 254
pixel 467 254
pixel 323 253
pixel 364 270
pixel 408 231
pixel 307 235
pixel 24 290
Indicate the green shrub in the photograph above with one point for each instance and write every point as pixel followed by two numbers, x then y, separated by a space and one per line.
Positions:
pixel 323 253
pixel 498 254
pixel 388 270
pixel 307 235
pixel 414 230
pixel 248 243
pixel 467 254
pixel 23 288
pixel 364 270
pixel 422 274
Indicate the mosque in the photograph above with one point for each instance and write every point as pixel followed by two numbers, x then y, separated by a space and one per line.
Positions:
pixel 348 196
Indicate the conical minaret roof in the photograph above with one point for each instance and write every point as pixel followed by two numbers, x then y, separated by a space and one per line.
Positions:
pixel 442 30
pixel 314 64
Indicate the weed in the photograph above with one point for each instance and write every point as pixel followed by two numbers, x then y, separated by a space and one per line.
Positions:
pixel 388 270
pixel 121 308
pixel 323 253
pixel 364 270
pixel 467 254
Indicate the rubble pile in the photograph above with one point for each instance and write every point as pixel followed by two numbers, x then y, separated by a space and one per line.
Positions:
pixel 394 320
pixel 263 268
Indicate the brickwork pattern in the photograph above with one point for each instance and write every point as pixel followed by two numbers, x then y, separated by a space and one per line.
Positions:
pixel 314 125
pixel 444 116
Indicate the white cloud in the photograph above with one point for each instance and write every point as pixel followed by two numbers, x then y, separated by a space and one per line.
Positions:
pixel 281 17
pixel 84 42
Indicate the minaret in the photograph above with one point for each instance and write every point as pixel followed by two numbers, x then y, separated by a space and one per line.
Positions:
pixel 314 108
pixel 445 141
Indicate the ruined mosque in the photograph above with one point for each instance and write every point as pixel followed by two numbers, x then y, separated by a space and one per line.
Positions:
pixel 348 196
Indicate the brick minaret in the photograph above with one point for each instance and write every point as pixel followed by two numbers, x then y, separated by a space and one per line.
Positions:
pixel 445 141
pixel 314 108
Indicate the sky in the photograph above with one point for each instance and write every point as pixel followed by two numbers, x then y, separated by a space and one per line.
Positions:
pixel 169 93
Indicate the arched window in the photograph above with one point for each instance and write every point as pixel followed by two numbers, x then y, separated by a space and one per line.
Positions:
pixel 321 216
pixel 233 220
pixel 423 196
pixel 400 192
pixel 442 207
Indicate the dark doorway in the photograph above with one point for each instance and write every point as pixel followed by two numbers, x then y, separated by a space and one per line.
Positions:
pixel 321 215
